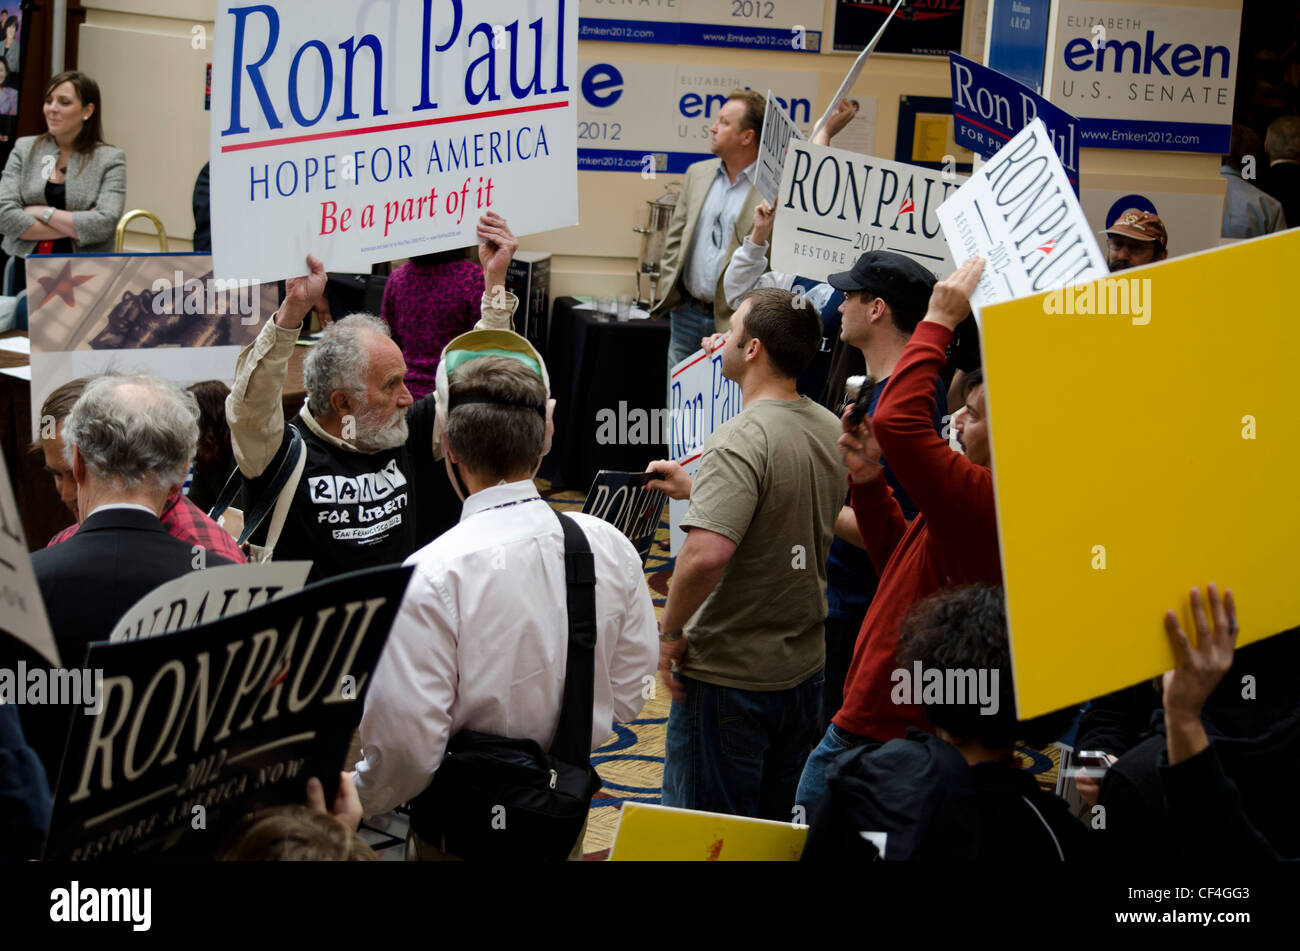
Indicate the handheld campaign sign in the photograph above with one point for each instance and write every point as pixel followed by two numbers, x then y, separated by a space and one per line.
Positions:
pixel 197 729
pixel 23 617
pixel 1110 512
pixel 651 833
pixel 700 399
pixel 778 130
pixel 855 70
pixel 834 205
pixel 367 133
pixel 1020 213
pixel 622 499
pixel 209 595
pixel 988 109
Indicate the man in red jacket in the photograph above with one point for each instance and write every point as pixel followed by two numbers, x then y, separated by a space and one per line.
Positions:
pixel 953 540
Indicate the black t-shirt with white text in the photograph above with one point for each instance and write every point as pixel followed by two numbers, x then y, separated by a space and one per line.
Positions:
pixel 355 510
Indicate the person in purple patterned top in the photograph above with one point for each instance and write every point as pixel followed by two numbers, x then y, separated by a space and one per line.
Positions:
pixel 429 301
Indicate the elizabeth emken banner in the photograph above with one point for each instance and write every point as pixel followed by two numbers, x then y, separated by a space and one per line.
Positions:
pixel 364 133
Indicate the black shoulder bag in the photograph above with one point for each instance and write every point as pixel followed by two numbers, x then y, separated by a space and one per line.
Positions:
pixel 499 799
pixel 284 480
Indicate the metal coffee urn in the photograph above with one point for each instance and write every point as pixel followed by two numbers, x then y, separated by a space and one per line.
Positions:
pixel 653 224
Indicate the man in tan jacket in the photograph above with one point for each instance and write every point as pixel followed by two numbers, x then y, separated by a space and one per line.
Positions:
pixel 713 213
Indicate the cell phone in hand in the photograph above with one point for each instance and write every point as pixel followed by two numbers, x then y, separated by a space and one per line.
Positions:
pixel 1092 759
pixel 857 391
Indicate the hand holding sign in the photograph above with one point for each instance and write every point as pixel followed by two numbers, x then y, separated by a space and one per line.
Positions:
pixel 764 216
pixel 950 299
pixel 712 342
pixel 302 294
pixel 496 249
pixel 347 803
pixel 836 121
pixel 676 484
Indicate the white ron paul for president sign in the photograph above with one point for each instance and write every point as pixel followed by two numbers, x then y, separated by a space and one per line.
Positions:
pixel 364 133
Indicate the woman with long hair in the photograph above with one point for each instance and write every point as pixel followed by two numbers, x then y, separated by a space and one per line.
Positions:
pixel 62 192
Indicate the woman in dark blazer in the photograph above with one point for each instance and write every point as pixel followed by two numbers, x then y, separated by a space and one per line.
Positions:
pixel 62 192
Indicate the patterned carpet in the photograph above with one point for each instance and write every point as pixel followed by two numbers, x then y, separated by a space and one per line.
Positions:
pixel 631 762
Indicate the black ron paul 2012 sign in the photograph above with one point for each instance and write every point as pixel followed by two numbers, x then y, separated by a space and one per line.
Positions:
pixel 199 727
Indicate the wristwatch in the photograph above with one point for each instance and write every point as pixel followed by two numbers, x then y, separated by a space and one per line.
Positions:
pixel 49 213
pixel 668 638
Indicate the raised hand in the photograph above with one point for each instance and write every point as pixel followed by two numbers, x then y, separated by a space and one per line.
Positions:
pixel 764 217
pixel 302 294
pixel 1199 669
pixel 496 248
pixel 842 116
pixel 950 299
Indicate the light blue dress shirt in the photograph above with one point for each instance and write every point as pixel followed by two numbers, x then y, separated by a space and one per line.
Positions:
pixel 712 238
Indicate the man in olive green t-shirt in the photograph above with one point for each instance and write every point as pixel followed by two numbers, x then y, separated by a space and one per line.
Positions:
pixel 749 587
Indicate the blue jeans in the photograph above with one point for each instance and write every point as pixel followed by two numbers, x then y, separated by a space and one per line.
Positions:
pixel 739 751
pixel 812 784
pixel 688 324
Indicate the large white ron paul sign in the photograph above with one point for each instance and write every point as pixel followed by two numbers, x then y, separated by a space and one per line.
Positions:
pixel 366 132
pixel 834 205
pixel 1019 212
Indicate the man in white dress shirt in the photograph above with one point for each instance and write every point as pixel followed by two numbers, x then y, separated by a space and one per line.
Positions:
pixel 481 639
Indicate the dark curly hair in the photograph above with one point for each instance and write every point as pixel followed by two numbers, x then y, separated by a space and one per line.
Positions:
pixel 965 628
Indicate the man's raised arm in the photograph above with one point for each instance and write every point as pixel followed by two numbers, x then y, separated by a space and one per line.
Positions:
pixel 253 408
pixel 496 248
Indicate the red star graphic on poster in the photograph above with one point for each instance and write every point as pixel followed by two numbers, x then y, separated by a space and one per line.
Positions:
pixel 62 286
pixel 908 206
pixel 1048 247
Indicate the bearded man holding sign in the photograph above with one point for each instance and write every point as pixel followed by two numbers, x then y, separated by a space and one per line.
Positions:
pixel 373 488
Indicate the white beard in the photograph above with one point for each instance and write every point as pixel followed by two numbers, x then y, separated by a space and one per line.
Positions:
pixel 376 435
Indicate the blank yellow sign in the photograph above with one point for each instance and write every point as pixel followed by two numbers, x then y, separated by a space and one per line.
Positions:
pixel 650 833
pixel 1136 455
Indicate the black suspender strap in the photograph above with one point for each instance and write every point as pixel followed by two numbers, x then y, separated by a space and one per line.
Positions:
pixel 257 513
pixel 572 743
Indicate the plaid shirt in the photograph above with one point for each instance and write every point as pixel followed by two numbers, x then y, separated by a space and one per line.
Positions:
pixel 186 521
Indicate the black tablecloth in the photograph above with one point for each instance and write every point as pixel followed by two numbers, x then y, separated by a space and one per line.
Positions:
pixel 596 363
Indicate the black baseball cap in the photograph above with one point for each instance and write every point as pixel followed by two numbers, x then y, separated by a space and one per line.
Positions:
pixel 904 284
